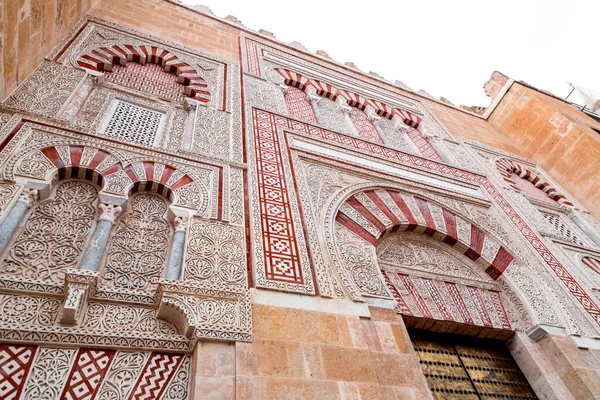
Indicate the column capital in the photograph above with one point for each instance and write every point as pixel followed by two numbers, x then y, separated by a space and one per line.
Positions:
pixel 180 224
pixel 28 196
pixel 283 87
pixel 110 212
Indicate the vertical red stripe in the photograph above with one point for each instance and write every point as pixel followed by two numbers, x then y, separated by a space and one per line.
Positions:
pixel 477 238
pixel 451 230
pixel 425 313
pixel 438 299
pixel 362 210
pixel 426 212
pixel 500 263
pixel 349 223
pixel 460 304
pixel 412 222
pixel 404 310
pixel 381 205
pixel 52 155
pixel 476 296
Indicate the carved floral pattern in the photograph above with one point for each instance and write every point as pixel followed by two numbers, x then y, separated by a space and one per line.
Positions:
pixel 215 253
pixel 55 233
pixel 138 249
pixel 113 318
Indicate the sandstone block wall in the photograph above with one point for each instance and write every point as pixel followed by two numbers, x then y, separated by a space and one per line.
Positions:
pixel 313 355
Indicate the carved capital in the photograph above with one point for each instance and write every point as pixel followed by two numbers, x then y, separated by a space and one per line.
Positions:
pixel 342 105
pixel 190 105
pixel 399 124
pixel 180 224
pixel 283 87
pixel 79 284
pixel 314 98
pixel 375 119
pixel 28 196
pixel 110 212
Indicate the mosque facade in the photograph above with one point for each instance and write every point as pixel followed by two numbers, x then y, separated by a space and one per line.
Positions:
pixel 190 209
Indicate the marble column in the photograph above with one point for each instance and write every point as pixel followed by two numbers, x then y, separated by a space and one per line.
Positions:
pixel 15 215
pixel 95 250
pixel 177 247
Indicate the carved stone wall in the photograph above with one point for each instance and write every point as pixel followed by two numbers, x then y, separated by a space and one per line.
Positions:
pixel 55 233
pixel 139 247
pixel 215 254
pixel 50 373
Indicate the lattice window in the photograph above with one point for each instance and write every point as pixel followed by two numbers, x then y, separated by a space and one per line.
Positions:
pixel 298 105
pixel 55 233
pixel 139 246
pixel 565 230
pixel 149 78
pixel 133 124
pixel 532 192
pixel 365 128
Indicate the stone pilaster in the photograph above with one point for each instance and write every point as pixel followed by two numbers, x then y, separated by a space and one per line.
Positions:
pixel 177 248
pixel 95 250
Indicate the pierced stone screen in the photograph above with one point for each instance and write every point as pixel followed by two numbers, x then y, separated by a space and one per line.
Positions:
pixel 133 124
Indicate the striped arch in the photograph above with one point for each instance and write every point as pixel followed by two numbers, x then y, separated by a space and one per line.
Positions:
pixel 114 175
pixel 507 167
pixel 103 58
pixel 373 213
pixel 355 100
pixel 325 89
pixel 293 79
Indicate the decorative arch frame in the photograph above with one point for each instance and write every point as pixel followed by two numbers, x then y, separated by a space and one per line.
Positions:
pixel 452 229
pixel 114 175
pixel 102 59
pixel 353 99
pixel 493 260
pixel 507 167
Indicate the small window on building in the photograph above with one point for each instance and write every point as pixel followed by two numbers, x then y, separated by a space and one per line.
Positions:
pixel 133 124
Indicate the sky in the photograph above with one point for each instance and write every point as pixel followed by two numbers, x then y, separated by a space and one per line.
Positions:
pixel 447 48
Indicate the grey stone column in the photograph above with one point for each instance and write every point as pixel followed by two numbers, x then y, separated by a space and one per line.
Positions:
pixel 177 247
pixel 15 215
pixel 95 250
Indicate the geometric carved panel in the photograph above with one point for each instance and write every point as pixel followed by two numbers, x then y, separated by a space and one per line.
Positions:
pixel 15 362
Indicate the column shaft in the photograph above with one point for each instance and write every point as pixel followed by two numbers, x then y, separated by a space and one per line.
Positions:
pixel 11 222
pixel 95 250
pixel 176 256
pixel 15 215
